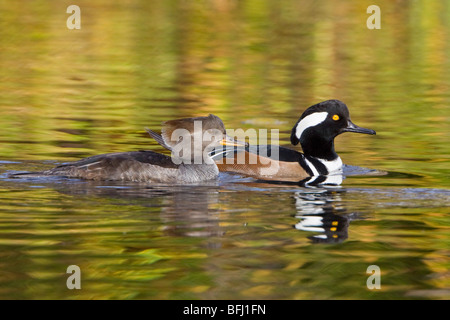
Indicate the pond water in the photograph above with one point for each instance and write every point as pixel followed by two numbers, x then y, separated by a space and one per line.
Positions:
pixel 68 94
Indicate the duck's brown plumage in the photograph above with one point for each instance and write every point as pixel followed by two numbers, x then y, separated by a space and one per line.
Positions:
pixel 285 166
pixel 275 170
pixel 210 122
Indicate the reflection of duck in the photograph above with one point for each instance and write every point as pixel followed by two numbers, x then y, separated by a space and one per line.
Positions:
pixel 194 139
pixel 319 213
pixel 315 131
pixel 172 210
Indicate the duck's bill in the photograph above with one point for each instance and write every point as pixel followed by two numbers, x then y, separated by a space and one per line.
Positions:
pixel 230 142
pixel 351 127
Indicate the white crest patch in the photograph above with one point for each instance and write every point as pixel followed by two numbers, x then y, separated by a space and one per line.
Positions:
pixel 310 121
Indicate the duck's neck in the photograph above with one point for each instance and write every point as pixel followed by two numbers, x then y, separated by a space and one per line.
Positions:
pixel 321 158
pixel 320 148
pixel 193 169
pixel 198 172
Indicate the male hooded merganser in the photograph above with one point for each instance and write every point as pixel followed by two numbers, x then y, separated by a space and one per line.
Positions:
pixel 315 131
pixel 190 140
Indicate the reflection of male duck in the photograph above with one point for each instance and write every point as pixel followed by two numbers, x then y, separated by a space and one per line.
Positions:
pixel 320 212
pixel 315 131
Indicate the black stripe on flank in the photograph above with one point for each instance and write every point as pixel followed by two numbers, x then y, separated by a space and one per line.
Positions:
pixel 320 167
pixel 313 181
pixel 305 166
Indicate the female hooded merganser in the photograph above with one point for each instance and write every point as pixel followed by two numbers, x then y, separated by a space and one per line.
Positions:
pixel 190 140
pixel 315 131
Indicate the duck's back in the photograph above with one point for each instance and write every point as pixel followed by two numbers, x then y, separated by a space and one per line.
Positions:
pixel 145 166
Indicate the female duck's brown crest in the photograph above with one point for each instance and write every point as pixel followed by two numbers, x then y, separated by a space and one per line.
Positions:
pixel 173 129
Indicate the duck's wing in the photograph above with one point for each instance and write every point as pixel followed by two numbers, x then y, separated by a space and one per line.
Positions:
pixel 130 166
pixel 145 166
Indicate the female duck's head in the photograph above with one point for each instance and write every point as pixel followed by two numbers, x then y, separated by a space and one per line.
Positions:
pixel 192 139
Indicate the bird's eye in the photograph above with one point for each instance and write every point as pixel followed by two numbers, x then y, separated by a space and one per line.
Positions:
pixel 335 117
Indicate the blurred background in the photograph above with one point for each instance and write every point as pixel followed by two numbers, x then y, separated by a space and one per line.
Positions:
pixel 67 94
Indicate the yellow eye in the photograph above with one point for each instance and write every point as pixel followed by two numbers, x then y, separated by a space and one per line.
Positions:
pixel 335 117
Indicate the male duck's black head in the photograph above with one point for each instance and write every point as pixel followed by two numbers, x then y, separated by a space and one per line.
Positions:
pixel 320 124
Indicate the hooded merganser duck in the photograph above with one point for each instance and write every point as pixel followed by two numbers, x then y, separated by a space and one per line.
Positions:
pixel 189 139
pixel 315 131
